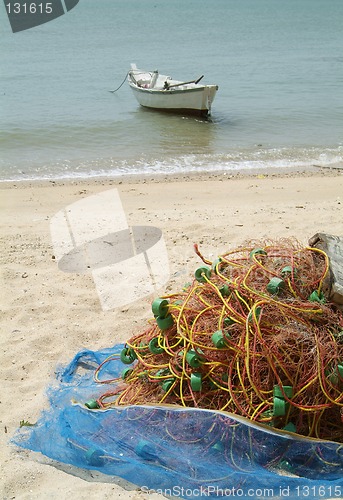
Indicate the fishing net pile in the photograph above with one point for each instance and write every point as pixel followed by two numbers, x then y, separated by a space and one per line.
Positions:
pixel 178 408
pixel 253 334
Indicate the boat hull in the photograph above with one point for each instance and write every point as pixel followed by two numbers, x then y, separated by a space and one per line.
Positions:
pixel 183 98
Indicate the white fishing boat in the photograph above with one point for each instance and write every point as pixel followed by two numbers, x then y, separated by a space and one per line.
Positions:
pixel 153 90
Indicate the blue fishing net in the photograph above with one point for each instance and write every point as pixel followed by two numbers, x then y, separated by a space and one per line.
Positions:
pixel 182 452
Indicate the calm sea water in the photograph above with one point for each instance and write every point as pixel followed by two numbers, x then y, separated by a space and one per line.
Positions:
pixel 278 65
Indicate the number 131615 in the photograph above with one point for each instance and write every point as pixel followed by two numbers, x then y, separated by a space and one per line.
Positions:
pixel 29 8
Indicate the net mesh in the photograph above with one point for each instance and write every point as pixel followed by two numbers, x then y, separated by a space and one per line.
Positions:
pixel 236 383
pixel 186 451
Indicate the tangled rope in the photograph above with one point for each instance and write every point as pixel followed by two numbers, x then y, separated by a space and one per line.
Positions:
pixel 253 335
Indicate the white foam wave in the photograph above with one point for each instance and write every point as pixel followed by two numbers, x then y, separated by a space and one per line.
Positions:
pixel 254 160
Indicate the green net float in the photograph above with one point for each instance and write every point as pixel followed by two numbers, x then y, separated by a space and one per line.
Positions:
pixel 285 465
pixel 154 346
pixel 336 376
pixel 215 264
pixel 126 373
pixel 279 409
pixel 127 356
pixel 218 447
pixel 257 251
pixel 219 340
pixel 92 404
pixel 193 359
pixel 288 271
pixel 333 378
pixel 168 384
pixel 202 273
pixel 165 323
pixel 162 372
pixel 267 414
pixel 290 427
pixel 224 290
pixel 179 360
pixel 317 297
pixel 257 314
pixel 267 418
pixel 196 382
pixel 160 307
pixel 95 457
pixel 146 450
pixel 143 349
pixel 286 389
pixel 275 286
pixel 228 321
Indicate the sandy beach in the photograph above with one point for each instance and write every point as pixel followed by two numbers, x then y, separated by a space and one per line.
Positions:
pixel 49 315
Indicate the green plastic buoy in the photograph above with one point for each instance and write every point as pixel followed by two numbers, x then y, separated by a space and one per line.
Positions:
pixel 280 404
pixel 285 466
pixel 143 348
pixel 267 414
pixel 215 264
pixel 275 286
pixel 288 271
pixel 228 321
pixel 224 290
pixel 336 376
pixel 219 340
pixel 95 457
pixel 202 273
pixel 162 373
pixel 165 323
pixel 160 307
pixel 196 382
pixel 317 297
pixel 218 446
pixel 126 373
pixel 257 251
pixel 168 384
pixel 92 404
pixel 290 427
pixel 193 359
pixel 127 356
pixel 279 409
pixel 154 346
pixel 146 450
pixel 258 311
pixel 287 390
